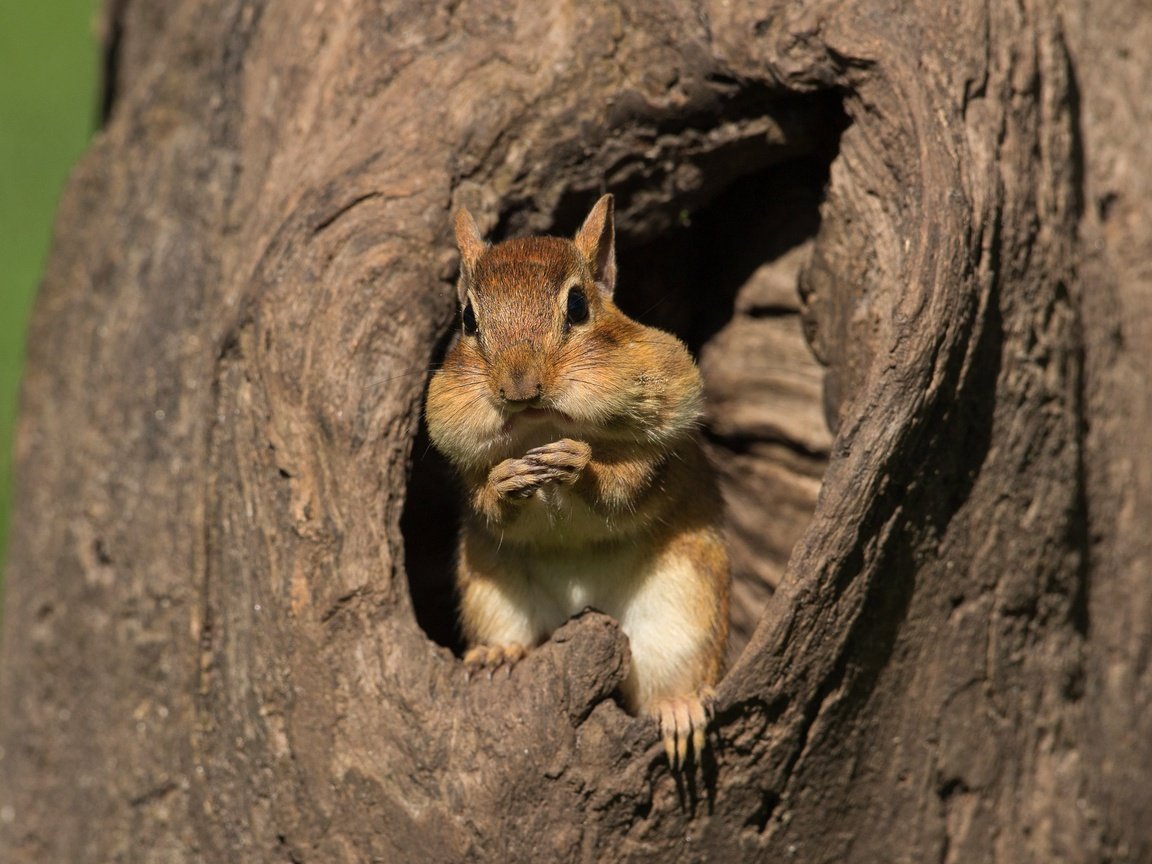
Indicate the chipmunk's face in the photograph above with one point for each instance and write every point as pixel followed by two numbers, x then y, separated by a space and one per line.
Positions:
pixel 537 335
pixel 543 352
pixel 529 303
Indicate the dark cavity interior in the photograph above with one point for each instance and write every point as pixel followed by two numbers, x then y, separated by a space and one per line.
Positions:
pixel 722 274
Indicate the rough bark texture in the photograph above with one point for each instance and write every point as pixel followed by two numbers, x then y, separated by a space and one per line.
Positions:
pixel 211 649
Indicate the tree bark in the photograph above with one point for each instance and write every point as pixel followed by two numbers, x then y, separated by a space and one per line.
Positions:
pixel 227 622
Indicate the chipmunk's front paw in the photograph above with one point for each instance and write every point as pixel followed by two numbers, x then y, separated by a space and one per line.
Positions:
pixel 519 478
pixel 565 458
pixel 683 719
pixel 558 462
pixel 489 658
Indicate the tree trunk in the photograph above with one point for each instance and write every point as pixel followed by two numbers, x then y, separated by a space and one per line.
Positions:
pixel 228 612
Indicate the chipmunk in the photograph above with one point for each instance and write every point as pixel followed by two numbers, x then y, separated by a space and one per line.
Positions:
pixel 574 429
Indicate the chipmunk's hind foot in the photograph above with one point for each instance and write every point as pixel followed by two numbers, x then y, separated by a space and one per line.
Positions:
pixel 683 723
pixel 490 658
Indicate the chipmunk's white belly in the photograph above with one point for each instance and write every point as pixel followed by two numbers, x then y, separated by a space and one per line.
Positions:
pixel 572 580
pixel 657 598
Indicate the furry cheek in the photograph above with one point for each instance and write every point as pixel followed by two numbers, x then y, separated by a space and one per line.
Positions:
pixel 585 403
pixel 471 440
pixel 462 422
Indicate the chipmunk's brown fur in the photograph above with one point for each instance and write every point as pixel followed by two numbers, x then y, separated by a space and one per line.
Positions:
pixel 574 428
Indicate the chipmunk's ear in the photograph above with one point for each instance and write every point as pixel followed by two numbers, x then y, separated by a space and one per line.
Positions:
pixel 470 243
pixel 596 241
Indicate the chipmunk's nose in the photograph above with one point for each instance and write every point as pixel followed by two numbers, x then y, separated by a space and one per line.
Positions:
pixel 520 379
pixel 521 385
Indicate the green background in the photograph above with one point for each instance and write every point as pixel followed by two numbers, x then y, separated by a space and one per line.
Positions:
pixel 48 65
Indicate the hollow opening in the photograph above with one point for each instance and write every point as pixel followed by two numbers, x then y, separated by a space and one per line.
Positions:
pixel 722 273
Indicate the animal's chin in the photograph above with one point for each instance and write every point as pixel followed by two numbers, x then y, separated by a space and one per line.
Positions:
pixel 531 415
pixel 534 418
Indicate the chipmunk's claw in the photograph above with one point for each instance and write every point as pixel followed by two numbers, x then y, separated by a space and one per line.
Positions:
pixel 683 723
pixel 489 658
pixel 565 459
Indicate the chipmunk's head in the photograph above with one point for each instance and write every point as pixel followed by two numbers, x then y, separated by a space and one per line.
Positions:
pixel 543 350
pixel 531 307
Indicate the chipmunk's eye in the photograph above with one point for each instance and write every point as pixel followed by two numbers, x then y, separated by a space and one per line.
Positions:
pixel 577 307
pixel 469 318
